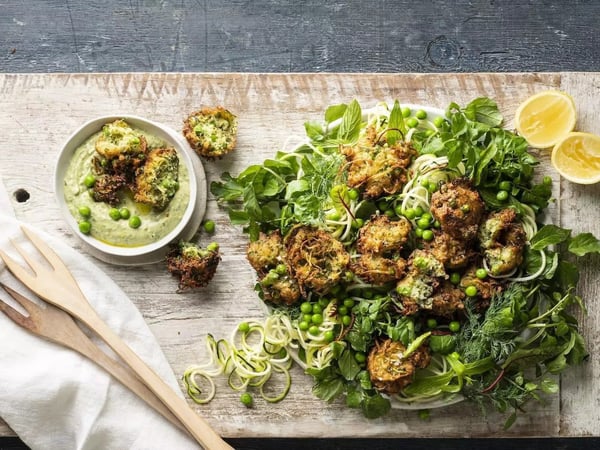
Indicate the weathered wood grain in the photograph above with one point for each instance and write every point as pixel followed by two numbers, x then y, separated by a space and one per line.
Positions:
pixel 39 112
pixel 307 36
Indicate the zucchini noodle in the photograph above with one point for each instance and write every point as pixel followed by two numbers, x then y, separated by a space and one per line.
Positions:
pixel 248 359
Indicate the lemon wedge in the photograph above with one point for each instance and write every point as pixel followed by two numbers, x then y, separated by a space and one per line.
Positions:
pixel 577 157
pixel 546 118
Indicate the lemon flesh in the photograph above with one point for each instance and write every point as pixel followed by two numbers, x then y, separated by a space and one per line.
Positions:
pixel 577 158
pixel 545 118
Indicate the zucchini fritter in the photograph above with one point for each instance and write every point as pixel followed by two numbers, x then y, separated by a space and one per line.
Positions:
pixel 211 132
pixel 378 169
pixel 382 236
pixel 192 265
pixel 315 259
pixel 377 270
pixel 459 209
pixel 157 180
pixel 503 240
pixel 390 371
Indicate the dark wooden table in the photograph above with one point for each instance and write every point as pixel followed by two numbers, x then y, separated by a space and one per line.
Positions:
pixel 306 36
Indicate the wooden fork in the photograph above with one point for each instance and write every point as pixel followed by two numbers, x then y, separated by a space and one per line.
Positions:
pixel 57 326
pixel 57 286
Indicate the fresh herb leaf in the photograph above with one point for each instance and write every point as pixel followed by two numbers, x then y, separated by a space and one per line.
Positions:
pixel 351 121
pixel 549 235
pixel 584 243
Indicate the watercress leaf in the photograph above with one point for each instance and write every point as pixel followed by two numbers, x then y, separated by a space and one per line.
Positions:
pixel 584 243
pixel 354 399
pixel 351 121
pixel 557 365
pixel 329 388
pixel 549 386
pixel 251 203
pixel 485 111
pixel 549 235
pixel 272 187
pixel 566 274
pixel 375 406
pixel 238 217
pixel 227 190
pixel 349 368
pixel 510 421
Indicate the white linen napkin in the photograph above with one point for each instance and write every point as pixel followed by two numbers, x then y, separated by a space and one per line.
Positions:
pixel 53 398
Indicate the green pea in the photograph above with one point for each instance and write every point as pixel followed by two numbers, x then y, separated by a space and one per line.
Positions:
pixel 135 222
pixel 439 121
pixel 85 227
pixel 303 325
pixel 329 336
pixel 502 196
pixel 114 213
pixel 246 399
pixel 424 182
pixel 436 224
pixel 390 213
pixel 424 223
pixel 209 226
pixel 471 291
pixel 455 278
pixel 405 112
pixel 342 310
pixel 281 269
pixel 306 307
pixel 346 320
pixel 382 205
pixel 427 235
pixel 432 187
pixel 358 222
pixel 398 210
pixel 349 302
pixel 465 208
pixel 360 357
pixel 418 211
pixel 505 185
pixel 547 180
pixel 244 327
pixel 317 318
pixel 314 330
pixel 454 326
pixel 419 232
pixel 481 273
pixel 85 211
pixel 212 247
pixel 89 181
pixel 323 302
pixel 431 323
pixel 412 122
pixel 426 216
pixel 124 213
pixel 420 114
pixel 307 317
pixel 410 213
pixel 353 194
pixel 317 309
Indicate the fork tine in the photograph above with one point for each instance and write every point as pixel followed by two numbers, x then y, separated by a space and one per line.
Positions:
pixel 13 314
pixel 16 268
pixel 44 249
pixel 29 306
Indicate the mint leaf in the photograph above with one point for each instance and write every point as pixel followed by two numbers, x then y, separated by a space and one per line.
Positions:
pixel 485 111
pixel 351 121
pixel 549 235
pixel 396 125
pixel 584 243
pixel 335 112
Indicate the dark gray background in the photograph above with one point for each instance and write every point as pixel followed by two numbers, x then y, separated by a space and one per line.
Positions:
pixel 306 36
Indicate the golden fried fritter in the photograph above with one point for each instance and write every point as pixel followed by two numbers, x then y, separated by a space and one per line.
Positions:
pixel 157 180
pixel 447 300
pixel 107 188
pixel 377 270
pixel 211 132
pixel 459 209
pixel 118 141
pixel 378 169
pixel 266 253
pixel 486 288
pixel 503 240
pixel 453 253
pixel 284 290
pixel 382 236
pixel 389 370
pixel 192 265
pixel 315 259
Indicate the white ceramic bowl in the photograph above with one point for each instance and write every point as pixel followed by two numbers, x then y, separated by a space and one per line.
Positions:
pixel 185 228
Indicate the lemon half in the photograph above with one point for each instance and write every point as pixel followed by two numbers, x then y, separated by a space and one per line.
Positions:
pixel 546 118
pixel 577 157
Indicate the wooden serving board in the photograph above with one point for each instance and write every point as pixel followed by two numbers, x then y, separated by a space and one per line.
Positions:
pixel 38 112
